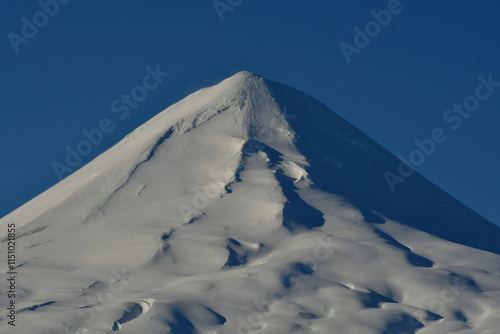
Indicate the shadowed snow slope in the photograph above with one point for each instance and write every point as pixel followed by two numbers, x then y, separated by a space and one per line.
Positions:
pixel 250 207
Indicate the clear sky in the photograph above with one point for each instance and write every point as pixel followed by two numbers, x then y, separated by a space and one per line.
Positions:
pixel 66 64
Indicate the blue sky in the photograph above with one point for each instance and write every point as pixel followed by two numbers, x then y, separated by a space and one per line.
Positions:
pixel 63 77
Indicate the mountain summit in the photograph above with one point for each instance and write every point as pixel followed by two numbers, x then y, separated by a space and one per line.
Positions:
pixel 251 207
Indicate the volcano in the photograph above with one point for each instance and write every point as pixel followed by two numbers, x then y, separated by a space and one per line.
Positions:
pixel 249 207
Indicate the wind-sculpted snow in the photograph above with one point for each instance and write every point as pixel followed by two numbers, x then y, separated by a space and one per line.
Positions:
pixel 249 207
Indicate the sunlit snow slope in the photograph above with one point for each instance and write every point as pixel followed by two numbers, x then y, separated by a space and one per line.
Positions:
pixel 250 207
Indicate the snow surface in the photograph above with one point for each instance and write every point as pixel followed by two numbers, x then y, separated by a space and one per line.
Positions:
pixel 249 207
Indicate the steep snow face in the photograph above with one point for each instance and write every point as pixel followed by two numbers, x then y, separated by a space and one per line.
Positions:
pixel 250 207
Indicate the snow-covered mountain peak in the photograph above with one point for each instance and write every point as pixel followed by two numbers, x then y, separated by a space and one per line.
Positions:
pixel 242 77
pixel 251 207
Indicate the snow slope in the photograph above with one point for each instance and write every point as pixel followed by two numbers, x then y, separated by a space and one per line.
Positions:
pixel 249 207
